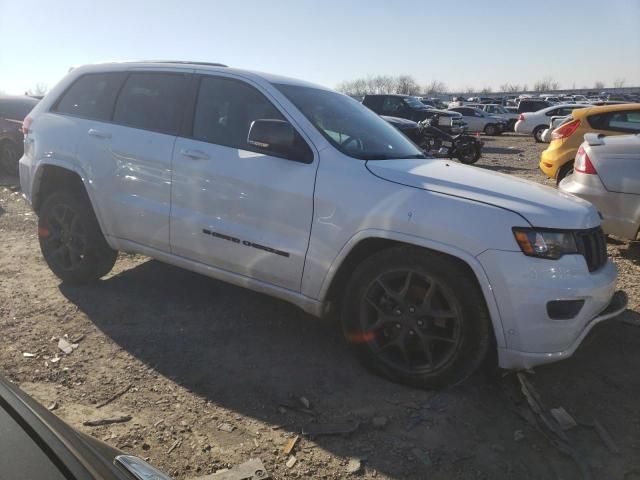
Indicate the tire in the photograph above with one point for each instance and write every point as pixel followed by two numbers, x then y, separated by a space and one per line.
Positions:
pixel 9 157
pixel 468 153
pixel 71 241
pixel 537 133
pixel 564 171
pixel 491 129
pixel 398 325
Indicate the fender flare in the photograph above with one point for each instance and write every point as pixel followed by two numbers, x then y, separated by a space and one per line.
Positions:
pixel 73 168
pixel 469 259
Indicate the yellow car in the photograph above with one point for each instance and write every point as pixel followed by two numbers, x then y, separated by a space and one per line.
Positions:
pixel 557 160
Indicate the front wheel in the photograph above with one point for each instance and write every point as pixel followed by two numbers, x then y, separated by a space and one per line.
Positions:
pixel 491 129
pixel 416 318
pixel 71 241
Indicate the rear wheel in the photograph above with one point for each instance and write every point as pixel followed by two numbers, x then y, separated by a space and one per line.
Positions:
pixel 416 318
pixel 491 129
pixel 9 157
pixel 71 240
pixel 538 131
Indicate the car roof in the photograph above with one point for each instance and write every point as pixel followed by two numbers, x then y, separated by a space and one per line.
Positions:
pixel 606 108
pixel 201 66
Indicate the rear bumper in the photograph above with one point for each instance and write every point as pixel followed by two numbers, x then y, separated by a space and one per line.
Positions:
pixel 523 287
pixel 553 158
pixel 619 210
pixel 516 360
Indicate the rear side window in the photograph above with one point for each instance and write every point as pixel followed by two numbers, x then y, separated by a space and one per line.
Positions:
pixel 225 110
pixel 91 96
pixel 625 121
pixel 152 101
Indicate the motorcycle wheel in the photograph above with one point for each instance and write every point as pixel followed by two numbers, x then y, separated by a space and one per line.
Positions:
pixel 468 154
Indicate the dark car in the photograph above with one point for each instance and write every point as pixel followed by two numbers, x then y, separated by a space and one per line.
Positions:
pixel 13 109
pixel 40 446
pixel 532 105
pixel 411 108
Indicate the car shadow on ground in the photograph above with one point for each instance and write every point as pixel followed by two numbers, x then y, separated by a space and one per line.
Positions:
pixel 502 168
pixel 502 150
pixel 247 352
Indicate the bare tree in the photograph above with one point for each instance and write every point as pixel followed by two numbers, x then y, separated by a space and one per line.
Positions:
pixel 546 84
pixel 619 82
pixel 39 90
pixel 598 85
pixel 435 87
pixel 407 85
pixel 486 90
pixel 510 87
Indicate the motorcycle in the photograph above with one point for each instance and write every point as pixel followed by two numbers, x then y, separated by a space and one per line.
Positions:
pixel 466 148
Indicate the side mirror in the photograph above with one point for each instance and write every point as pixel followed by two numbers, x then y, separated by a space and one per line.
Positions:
pixel 275 136
pixel 278 138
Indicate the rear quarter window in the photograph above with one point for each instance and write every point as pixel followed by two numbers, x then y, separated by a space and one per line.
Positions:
pixel 91 96
pixel 621 121
pixel 16 109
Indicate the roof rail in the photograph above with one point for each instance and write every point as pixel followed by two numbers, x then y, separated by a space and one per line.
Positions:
pixel 181 62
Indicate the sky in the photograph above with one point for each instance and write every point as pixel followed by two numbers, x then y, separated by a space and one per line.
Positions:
pixel 463 43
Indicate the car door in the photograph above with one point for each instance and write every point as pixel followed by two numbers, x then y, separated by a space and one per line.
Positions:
pixel 233 207
pixel 138 148
pixel 473 119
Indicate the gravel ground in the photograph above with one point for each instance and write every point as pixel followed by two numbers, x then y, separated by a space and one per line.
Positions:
pixel 198 357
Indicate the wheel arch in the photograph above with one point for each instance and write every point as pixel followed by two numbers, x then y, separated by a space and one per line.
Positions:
pixel 366 243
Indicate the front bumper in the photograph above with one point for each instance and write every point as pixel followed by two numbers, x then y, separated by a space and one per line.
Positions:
pixel 523 286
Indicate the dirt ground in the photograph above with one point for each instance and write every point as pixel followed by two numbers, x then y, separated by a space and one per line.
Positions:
pixel 201 357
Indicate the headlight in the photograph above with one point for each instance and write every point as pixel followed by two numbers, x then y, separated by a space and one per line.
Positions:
pixel 544 243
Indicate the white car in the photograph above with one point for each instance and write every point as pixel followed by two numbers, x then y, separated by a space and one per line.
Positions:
pixel 554 122
pixel 302 193
pixel 499 111
pixel 480 121
pixel 534 123
pixel 606 172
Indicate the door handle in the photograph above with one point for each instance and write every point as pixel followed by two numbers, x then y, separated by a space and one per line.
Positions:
pixel 194 154
pixel 98 134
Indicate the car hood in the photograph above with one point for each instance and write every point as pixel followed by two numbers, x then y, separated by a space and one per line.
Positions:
pixel 540 205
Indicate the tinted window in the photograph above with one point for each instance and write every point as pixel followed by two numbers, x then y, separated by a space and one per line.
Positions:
pixel 349 126
pixel 392 105
pixel 91 96
pixel 16 108
pixel 152 101
pixel 225 110
pixel 628 121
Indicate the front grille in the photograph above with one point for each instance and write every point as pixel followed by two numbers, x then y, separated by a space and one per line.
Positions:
pixel 592 244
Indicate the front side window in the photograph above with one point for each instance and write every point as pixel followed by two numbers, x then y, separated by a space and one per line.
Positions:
pixel 348 125
pixel 91 96
pixel 225 110
pixel 152 101
pixel 392 105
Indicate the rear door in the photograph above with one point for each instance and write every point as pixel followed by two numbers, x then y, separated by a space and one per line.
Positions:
pixel 131 155
pixel 233 207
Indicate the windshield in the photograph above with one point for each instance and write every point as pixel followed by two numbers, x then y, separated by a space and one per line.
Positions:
pixel 350 126
pixel 413 102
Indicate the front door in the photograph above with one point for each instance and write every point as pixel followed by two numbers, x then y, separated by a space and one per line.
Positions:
pixel 232 207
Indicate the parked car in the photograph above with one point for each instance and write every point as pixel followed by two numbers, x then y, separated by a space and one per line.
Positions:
pixel 554 122
pixel 499 111
pixel 557 160
pixel 480 121
pixel 302 193
pixel 531 105
pixel 534 123
pixel 409 107
pixel 13 109
pixel 606 172
pixel 37 445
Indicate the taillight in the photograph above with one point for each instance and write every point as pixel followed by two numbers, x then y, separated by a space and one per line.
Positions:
pixel 565 130
pixel 26 124
pixel 521 117
pixel 583 164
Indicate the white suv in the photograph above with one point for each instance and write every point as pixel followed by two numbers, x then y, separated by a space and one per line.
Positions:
pixel 302 193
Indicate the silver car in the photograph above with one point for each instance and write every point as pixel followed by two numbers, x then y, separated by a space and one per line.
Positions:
pixel 607 174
